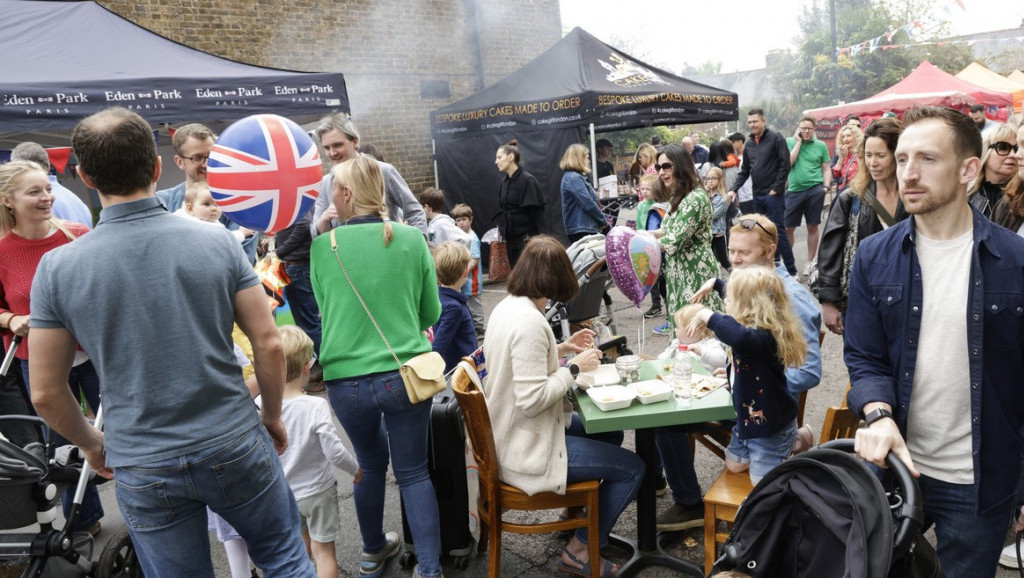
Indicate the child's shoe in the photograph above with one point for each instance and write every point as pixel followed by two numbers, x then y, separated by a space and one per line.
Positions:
pixel 372 565
pixel 664 329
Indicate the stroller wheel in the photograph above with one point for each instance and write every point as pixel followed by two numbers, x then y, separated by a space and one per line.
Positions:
pixel 118 559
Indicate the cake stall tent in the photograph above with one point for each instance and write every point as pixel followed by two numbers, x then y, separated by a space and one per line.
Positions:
pixel 66 60
pixel 579 85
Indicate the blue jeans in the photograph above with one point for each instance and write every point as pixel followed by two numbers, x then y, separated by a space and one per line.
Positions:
pixel 674 449
pixel 577 429
pixel 774 207
pixel 619 470
pixel 968 543
pixel 164 505
pixel 302 302
pixel 84 382
pixel 375 411
pixel 761 454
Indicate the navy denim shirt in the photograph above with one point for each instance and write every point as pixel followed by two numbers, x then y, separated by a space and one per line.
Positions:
pixel 882 327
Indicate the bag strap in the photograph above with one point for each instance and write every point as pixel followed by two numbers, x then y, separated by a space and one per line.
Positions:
pixel 883 214
pixel 334 248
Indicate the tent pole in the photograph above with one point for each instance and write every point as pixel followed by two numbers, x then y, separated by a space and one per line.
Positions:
pixel 593 156
pixel 433 153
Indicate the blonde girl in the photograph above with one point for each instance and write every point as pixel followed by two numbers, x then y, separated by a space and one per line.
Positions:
pixel 714 184
pixel 765 338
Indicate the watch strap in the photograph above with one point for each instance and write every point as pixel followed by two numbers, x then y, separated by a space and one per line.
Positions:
pixel 877 414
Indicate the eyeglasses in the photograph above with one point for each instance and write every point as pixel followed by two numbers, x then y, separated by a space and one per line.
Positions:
pixel 664 166
pixel 749 224
pixel 198 159
pixel 1003 148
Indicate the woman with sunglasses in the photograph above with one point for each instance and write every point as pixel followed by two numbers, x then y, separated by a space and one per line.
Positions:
pixel 872 201
pixel 685 234
pixel 998 166
pixel 1009 211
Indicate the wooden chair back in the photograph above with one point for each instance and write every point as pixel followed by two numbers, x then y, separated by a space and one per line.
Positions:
pixel 840 422
pixel 478 428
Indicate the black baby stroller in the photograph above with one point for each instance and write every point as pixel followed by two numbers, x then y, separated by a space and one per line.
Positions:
pixel 824 513
pixel 28 495
pixel 589 264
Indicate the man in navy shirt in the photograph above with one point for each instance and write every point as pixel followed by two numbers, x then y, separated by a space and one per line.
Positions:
pixel 935 344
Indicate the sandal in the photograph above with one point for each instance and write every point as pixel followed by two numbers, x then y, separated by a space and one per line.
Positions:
pixel 583 569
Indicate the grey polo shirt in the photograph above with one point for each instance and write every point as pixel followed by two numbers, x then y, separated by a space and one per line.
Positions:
pixel 151 298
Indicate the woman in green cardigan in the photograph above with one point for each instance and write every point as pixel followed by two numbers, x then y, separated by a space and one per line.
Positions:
pixel 391 269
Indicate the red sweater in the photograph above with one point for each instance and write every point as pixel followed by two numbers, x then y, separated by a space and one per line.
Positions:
pixel 19 258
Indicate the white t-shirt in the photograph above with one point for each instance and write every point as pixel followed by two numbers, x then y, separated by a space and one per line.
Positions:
pixel 939 422
pixel 313 446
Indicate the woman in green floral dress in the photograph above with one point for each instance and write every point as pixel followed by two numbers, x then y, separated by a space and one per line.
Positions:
pixel 685 233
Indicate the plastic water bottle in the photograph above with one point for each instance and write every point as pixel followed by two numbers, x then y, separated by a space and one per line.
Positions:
pixel 682 373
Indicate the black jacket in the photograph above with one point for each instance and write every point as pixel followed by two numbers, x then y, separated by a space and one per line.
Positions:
pixel 766 162
pixel 293 242
pixel 833 240
pixel 522 205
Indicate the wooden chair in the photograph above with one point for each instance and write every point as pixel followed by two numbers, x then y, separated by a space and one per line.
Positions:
pixel 840 422
pixel 496 496
pixel 721 504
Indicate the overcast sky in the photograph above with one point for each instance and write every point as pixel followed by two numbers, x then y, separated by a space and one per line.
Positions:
pixel 677 32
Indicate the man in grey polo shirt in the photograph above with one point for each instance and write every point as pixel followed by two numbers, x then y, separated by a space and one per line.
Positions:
pixel 152 298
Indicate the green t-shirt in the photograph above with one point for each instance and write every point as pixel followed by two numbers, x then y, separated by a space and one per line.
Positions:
pixel 806 172
pixel 642 208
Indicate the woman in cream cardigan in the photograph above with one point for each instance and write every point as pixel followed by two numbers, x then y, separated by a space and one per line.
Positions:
pixel 526 397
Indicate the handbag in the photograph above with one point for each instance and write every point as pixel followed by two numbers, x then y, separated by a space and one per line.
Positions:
pixel 423 375
pixel 849 252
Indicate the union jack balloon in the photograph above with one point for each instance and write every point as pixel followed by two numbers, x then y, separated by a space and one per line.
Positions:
pixel 264 172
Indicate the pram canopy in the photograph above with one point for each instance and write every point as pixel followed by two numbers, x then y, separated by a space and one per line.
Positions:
pixel 824 514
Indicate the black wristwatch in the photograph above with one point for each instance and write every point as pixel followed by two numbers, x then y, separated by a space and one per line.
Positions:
pixel 574 370
pixel 876 415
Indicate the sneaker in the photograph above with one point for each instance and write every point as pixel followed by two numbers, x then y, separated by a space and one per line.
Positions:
pixel 680 517
pixel 653 312
pixel 372 565
pixel 663 329
pixel 660 486
pixel 1008 557
pixel 808 268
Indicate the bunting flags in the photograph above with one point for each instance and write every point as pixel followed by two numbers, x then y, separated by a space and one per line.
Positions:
pixel 913 30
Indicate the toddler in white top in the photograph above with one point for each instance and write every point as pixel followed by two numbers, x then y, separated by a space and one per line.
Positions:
pixel 314 450
pixel 200 206
pixel 704 344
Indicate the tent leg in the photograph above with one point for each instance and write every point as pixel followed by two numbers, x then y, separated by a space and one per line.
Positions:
pixel 593 156
pixel 433 154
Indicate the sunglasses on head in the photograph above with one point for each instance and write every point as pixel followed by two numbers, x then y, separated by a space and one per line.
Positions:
pixel 664 166
pixel 1003 148
pixel 749 224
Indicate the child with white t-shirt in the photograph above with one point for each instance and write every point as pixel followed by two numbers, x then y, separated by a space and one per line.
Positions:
pixel 313 448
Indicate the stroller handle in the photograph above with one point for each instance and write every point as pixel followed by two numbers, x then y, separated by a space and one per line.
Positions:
pixel 911 512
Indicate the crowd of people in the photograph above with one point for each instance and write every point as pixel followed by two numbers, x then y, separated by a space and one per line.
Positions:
pixel 917 269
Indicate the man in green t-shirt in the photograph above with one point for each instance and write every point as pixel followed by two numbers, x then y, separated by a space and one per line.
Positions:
pixel 809 178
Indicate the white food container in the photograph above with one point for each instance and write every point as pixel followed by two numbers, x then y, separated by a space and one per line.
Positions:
pixel 651 391
pixel 611 397
pixel 603 375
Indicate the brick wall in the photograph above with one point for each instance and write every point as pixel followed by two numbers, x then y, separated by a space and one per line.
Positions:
pixel 385 49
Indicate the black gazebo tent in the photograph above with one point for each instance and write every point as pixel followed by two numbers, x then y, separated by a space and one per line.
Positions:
pixel 65 60
pixel 579 84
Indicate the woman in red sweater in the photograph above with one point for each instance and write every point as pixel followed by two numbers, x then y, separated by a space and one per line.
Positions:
pixel 27 231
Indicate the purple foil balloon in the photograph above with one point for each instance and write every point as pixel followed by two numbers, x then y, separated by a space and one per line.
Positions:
pixel 634 260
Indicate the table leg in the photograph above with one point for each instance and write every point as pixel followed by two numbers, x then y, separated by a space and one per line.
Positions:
pixel 647 551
